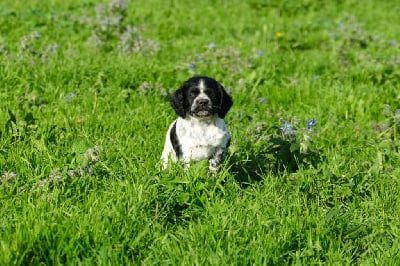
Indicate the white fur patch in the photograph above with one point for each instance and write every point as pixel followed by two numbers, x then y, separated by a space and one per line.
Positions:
pixel 202 95
pixel 200 139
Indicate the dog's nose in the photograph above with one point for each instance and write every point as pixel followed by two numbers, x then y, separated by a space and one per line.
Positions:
pixel 202 102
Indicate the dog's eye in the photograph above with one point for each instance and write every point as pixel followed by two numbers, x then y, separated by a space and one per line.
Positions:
pixel 192 94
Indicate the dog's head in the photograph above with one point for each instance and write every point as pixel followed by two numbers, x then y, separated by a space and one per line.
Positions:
pixel 201 96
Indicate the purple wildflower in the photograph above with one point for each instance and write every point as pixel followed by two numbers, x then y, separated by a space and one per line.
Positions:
pixel 192 66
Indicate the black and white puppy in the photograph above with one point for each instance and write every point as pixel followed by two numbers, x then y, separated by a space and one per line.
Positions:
pixel 199 132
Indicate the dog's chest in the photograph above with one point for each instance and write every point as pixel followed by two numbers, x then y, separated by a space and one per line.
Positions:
pixel 200 140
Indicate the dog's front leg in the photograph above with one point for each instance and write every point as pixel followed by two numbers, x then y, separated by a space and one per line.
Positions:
pixel 216 161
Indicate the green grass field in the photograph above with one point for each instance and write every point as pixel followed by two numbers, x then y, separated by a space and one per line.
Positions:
pixel 84 90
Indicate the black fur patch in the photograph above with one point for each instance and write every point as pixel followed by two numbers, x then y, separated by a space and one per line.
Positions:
pixel 225 104
pixel 178 104
pixel 175 141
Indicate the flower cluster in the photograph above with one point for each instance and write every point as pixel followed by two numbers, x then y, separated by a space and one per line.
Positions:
pixel 110 32
pixel 392 118
pixel 30 46
pixel 131 42
pixel 388 138
pixel 289 145
pixel 228 59
pixel 58 175
pixel 356 47
pixel 55 177
pixel 146 87
pixel 70 96
pixel 91 157
pixel 7 176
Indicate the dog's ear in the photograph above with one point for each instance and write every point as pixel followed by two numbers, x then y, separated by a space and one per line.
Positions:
pixel 225 104
pixel 178 103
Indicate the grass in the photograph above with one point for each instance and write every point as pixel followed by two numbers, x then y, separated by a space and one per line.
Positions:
pixel 84 110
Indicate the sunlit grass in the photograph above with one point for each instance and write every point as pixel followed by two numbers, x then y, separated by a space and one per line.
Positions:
pixel 313 171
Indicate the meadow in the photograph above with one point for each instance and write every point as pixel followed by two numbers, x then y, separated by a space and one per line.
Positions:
pixel 313 172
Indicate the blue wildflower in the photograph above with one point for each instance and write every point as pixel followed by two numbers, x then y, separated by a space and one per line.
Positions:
pixel 311 123
pixel 53 47
pixel 287 127
pixel 192 65
pixel 392 43
pixel 260 52
pixel 315 77
pixel 263 100
pixel 70 96
pixel 8 176
pixel 211 45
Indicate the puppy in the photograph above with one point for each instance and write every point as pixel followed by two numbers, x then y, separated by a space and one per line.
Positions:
pixel 199 133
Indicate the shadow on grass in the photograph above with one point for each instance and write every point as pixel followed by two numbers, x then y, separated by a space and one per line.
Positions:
pixel 182 195
pixel 249 169
pixel 278 156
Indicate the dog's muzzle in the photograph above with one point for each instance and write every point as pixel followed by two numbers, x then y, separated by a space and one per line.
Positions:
pixel 202 107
